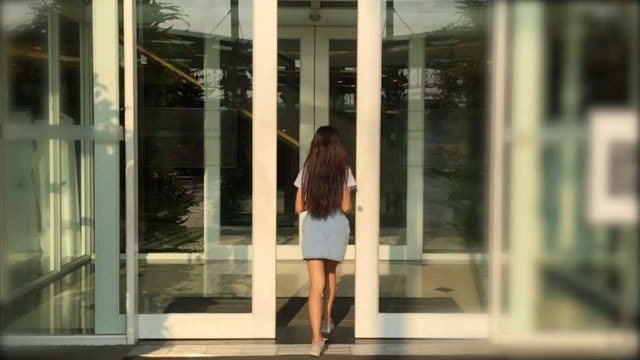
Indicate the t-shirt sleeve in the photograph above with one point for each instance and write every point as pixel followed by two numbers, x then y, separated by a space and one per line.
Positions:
pixel 351 181
pixel 298 182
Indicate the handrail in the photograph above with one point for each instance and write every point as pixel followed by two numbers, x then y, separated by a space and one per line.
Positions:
pixel 47 279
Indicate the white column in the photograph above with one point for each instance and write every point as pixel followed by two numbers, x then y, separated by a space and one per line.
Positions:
pixel 415 149
pixel 368 108
pixel 264 141
pixel 131 155
pixel 212 137
pixel 525 230
pixel 497 166
pixel 107 209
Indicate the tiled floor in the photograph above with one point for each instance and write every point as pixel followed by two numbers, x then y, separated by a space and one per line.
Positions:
pixel 67 307
pixel 463 283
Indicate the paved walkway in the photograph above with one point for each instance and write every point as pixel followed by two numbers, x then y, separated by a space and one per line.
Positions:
pixel 390 348
pixel 245 349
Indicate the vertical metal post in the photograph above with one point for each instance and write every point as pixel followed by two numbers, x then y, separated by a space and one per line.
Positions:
pixel 132 165
pixel 87 179
pixel 630 267
pixel 4 96
pixel 212 145
pixel 389 20
pixel 235 20
pixel 570 97
pixel 415 148
pixel 54 186
pixel 496 163
pixel 106 96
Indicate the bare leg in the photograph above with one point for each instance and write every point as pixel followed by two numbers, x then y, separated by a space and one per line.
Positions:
pixel 329 287
pixel 316 278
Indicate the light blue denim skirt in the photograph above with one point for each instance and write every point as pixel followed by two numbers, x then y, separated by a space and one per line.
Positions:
pixel 325 238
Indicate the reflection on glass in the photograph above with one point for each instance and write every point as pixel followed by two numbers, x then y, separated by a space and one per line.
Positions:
pixel 62 307
pixel 27 241
pixel 434 121
pixel 47 182
pixel 194 83
pixel 71 153
pixel 289 64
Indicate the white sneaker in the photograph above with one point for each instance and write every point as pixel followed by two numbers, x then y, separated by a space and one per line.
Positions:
pixel 327 327
pixel 317 348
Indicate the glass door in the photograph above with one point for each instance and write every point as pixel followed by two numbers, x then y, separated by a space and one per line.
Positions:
pixel 207 236
pixel 316 87
pixel 428 277
pixel 316 83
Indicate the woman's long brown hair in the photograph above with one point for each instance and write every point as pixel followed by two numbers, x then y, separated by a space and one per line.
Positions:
pixel 325 174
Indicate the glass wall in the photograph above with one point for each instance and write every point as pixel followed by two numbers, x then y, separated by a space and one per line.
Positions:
pixel 289 160
pixel 54 266
pixel 434 125
pixel 195 115
pixel 565 271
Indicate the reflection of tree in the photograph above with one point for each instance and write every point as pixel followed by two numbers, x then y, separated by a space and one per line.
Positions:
pixel 31 38
pixel 455 101
pixel 180 97
pixel 463 92
pixel 165 199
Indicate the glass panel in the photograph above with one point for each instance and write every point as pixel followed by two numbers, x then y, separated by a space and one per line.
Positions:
pixel 194 83
pixel 433 155
pixel 26 237
pixel 48 270
pixel 565 272
pixel 289 64
pixel 342 102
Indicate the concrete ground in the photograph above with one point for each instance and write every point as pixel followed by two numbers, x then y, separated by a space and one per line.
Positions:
pixel 120 352
pixel 124 352
pixel 111 352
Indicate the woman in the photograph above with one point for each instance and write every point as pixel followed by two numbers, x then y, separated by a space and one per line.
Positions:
pixel 324 192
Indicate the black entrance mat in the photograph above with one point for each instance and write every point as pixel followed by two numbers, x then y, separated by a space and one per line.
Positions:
pixel 212 305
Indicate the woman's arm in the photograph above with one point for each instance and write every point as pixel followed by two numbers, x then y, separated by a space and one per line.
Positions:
pixel 299 202
pixel 346 200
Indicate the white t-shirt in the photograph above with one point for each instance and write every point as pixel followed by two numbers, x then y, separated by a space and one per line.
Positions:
pixel 351 181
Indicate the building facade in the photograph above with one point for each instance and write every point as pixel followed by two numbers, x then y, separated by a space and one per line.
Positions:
pixel 149 150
